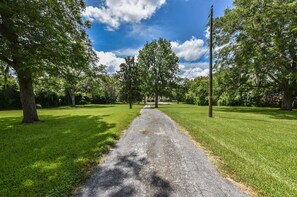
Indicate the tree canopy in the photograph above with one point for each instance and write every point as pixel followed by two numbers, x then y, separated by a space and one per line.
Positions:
pixel 159 67
pixel 38 36
pixel 258 41
pixel 130 79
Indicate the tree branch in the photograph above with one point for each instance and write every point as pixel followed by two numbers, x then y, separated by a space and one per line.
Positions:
pixel 6 60
pixel 273 78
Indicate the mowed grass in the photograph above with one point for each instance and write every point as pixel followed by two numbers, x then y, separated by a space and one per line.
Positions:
pixel 51 157
pixel 257 146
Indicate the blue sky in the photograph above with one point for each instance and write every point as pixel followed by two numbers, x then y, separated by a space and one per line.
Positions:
pixel 121 27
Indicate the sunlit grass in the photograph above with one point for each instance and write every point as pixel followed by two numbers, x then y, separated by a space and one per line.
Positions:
pixel 51 157
pixel 257 146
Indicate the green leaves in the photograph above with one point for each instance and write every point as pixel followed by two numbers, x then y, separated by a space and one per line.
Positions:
pixel 36 33
pixel 39 37
pixel 159 65
pixel 130 80
pixel 258 38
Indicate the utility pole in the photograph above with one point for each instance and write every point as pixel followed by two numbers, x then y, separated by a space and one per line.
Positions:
pixel 210 64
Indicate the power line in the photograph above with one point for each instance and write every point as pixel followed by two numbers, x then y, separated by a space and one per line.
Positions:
pixel 210 64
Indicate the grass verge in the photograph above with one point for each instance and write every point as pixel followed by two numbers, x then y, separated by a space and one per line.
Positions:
pixel 257 146
pixel 51 157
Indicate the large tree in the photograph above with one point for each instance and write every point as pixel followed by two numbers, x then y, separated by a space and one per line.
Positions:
pixel 258 41
pixel 129 75
pixel 159 66
pixel 36 36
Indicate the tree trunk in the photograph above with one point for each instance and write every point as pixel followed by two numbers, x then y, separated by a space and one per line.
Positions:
pixel 130 105
pixel 5 81
pixel 72 96
pixel 287 103
pixel 156 99
pixel 144 100
pixel 27 96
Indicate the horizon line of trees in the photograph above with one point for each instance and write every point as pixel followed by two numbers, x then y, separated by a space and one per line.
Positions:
pixel 155 71
pixel 195 91
pixel 52 93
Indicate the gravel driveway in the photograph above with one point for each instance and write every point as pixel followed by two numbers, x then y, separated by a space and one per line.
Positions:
pixel 154 158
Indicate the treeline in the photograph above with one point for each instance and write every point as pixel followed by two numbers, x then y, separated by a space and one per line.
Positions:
pixel 231 93
pixel 53 91
pixel 151 76
pixel 105 89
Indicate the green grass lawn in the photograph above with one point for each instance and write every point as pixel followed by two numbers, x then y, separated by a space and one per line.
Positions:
pixel 51 157
pixel 257 146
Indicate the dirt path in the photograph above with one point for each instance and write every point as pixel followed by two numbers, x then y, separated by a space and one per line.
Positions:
pixel 155 159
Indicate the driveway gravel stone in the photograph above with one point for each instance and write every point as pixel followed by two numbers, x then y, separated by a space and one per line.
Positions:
pixel 154 158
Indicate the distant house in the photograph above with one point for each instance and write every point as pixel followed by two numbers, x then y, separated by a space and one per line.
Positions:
pixel 160 99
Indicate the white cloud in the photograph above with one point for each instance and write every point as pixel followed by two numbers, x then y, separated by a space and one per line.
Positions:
pixel 146 32
pixel 126 52
pixel 190 50
pixel 113 59
pixel 110 60
pixel 115 12
pixel 193 70
pixel 207 33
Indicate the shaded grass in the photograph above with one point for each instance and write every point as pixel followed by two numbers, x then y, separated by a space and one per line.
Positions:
pixel 51 157
pixel 258 146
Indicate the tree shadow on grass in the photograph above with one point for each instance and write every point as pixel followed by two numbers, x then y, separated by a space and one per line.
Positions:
pixel 115 179
pixel 49 158
pixel 271 112
pixel 187 106
pixel 9 122
pixel 90 106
